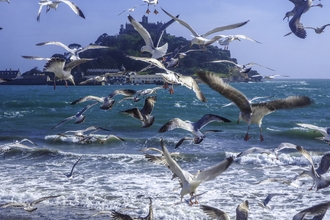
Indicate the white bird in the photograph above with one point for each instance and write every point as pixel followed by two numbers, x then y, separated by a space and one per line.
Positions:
pixel 251 113
pixel 265 202
pixel 151 2
pixel 107 103
pixel 130 9
pixel 80 118
pixel 225 40
pixel 245 68
pixel 70 175
pixel 124 92
pixel 144 114
pixel 151 46
pixel 318 211
pixel 146 92
pixel 250 100
pixel 54 4
pixel 191 182
pixel 28 206
pixel 201 39
pixel 5 1
pixel 242 212
pixel 193 127
pixel 95 79
pixel 81 133
pixel 290 182
pixel 73 49
pixel 325 131
pixel 16 144
pixel 173 77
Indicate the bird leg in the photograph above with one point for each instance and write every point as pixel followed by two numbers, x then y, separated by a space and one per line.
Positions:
pixel 148 11
pixel 261 137
pixel 191 196
pixel 247 137
pixel 165 86
pixel 66 84
pixel 155 11
pixel 171 90
pixel 54 82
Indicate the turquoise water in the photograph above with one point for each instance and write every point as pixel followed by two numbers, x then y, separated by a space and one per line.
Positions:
pixel 116 175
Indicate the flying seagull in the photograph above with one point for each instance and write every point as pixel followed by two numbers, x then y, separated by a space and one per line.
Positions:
pixel 144 114
pixel 173 77
pixel 151 46
pixel 119 216
pixel 325 131
pixel 16 144
pixel 70 175
pixel 225 40
pixel 245 68
pixel 28 206
pixel 251 113
pixel 201 39
pixel 265 202
pixel 80 118
pixel 54 4
pixel 193 127
pixel 124 92
pixel 73 49
pixel 191 182
pixel 107 103
pixel 242 212
pixel 130 9
pixel 318 211
pixel 250 100
pixel 151 2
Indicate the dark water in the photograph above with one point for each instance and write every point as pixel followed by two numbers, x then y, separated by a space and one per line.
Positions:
pixel 116 175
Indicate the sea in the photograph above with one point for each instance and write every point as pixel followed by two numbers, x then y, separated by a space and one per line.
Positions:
pixel 115 175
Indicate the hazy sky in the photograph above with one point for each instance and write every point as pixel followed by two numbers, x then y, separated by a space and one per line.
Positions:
pixel 298 58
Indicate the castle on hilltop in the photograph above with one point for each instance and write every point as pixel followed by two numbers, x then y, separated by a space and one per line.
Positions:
pixel 151 27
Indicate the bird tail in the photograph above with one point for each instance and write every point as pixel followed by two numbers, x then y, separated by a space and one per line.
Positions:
pixel 160 52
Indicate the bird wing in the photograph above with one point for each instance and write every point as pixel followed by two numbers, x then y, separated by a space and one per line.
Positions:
pixel 134 113
pixel 161 31
pixel 252 150
pixel 244 37
pixel 229 92
pixel 182 140
pixel 214 213
pixel 208 118
pixel 74 63
pixel 191 83
pixel 142 31
pixel 119 216
pixel 185 24
pixel 305 153
pixel 74 166
pixel 56 43
pixel 43 199
pixel 212 172
pixel 152 61
pixel 225 61
pixel 296 26
pixel 242 211
pixel 176 123
pixel 39 11
pixel 149 104
pixel 315 210
pixel 35 58
pixel 74 7
pixel 65 120
pixel 322 130
pixel 253 64
pixel 290 102
pixel 87 98
pixel 324 164
pixel 173 166
pixel 125 92
pixel 92 47
pixel 227 27
pixel 85 109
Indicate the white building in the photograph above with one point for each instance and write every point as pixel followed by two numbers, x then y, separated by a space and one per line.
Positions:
pixel 146 79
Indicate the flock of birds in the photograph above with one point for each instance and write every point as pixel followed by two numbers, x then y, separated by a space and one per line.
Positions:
pixel 251 113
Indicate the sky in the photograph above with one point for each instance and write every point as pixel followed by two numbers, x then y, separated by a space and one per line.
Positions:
pixel 292 56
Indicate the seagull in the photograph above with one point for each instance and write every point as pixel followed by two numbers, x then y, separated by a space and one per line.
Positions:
pixel 73 49
pixel 318 180
pixel 146 92
pixel 189 181
pixel 5 1
pixel 151 2
pixel 265 202
pixel 184 54
pixel 61 70
pixel 225 40
pixel 16 144
pixel 54 4
pixel 130 9
pixel 81 133
pixel 290 182
pixel 251 113
pixel 173 77
pixel 318 211
pixel 318 30
pixel 124 92
pixel 193 127
pixel 107 103
pixel 95 79
pixel 325 131
pixel 300 7
pixel 250 100
pixel 242 212
pixel 102 140
pixel 144 114
pixel 245 68
pixel 201 39
pixel 80 118
pixel 28 206
pixel 119 216
pixel 70 175
pixel 151 46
